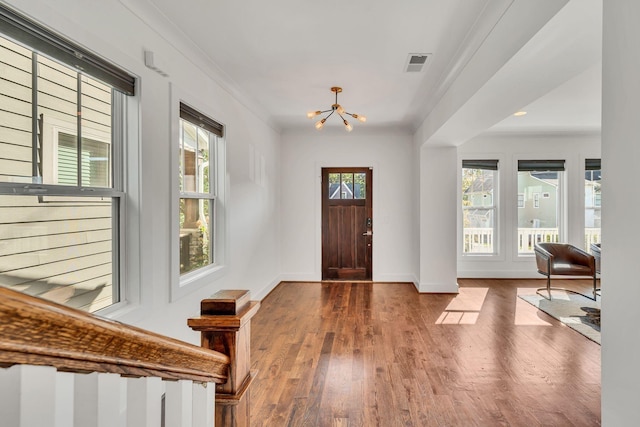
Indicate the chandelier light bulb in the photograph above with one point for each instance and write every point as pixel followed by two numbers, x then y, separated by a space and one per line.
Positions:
pixel 312 114
pixel 340 109
pixel 348 126
pixel 320 123
pixel 360 118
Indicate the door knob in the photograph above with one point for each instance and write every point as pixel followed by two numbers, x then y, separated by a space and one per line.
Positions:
pixel 368 233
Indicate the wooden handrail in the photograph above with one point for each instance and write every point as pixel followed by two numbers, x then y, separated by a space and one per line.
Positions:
pixel 39 332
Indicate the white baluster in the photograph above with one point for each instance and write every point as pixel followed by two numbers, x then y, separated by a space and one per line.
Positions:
pixel 97 400
pixel 9 397
pixel 27 396
pixel 203 404
pixel 144 398
pixel 178 403
pixel 64 401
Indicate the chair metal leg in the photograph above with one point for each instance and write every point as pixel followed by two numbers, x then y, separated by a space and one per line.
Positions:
pixel 549 289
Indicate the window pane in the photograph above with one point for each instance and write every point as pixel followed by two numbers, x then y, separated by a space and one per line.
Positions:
pixel 196 159
pixel 195 234
pixel 96 133
pixel 334 185
pixel 58 100
pixel 58 249
pixel 96 162
pixel 202 186
pixel 478 211
pixel 15 113
pixel 346 188
pixel 538 217
pixel 67 160
pixel 592 207
pixel 360 186
pixel 188 145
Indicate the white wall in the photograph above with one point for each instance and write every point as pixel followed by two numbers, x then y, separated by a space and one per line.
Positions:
pixel 508 148
pixel 437 219
pixel 116 33
pixel 621 269
pixel 304 153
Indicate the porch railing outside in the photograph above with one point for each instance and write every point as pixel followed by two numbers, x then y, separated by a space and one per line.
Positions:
pixel 481 240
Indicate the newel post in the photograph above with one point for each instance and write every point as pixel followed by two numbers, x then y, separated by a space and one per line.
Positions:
pixel 225 326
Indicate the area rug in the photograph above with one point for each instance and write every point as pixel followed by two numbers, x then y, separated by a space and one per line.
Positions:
pixel 575 311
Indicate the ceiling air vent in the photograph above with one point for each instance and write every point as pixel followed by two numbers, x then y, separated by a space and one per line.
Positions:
pixel 416 61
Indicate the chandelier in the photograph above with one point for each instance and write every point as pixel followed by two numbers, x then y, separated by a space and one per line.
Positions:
pixel 335 108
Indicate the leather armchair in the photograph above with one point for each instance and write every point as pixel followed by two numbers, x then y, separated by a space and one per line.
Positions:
pixel 563 259
pixel 596 250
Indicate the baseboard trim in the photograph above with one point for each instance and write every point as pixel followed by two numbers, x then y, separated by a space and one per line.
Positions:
pixel 266 290
pixel 300 277
pixel 514 274
pixel 395 278
pixel 438 288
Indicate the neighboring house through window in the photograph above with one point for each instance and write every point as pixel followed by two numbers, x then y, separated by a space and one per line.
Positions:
pixel 539 218
pixel 60 154
pixel 61 187
pixel 479 206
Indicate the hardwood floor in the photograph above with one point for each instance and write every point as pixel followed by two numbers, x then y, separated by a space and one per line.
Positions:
pixel 362 354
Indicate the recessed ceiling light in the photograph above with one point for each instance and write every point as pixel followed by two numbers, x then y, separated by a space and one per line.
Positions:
pixel 519 113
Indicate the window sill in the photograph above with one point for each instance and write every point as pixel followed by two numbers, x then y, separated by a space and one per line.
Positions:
pixel 197 279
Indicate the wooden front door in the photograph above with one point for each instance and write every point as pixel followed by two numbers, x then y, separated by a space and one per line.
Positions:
pixel 346 224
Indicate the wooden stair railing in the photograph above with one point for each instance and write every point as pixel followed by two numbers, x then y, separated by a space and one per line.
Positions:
pixel 34 331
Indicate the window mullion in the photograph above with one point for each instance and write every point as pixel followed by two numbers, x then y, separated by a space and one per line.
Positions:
pixel 79 129
pixel 34 118
pixel 192 195
pixel 197 163
pixel 117 138
pixel 8 188
pixel 213 166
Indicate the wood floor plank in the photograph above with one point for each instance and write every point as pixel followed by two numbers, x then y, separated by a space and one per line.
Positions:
pixel 363 354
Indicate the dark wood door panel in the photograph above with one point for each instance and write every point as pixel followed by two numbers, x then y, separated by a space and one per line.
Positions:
pixel 346 245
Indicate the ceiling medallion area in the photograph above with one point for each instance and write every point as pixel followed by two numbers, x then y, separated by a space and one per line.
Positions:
pixel 338 109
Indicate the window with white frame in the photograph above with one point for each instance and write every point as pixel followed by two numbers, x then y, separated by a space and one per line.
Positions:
pixel 479 206
pixel 62 129
pixel 592 202
pixel 199 146
pixel 539 219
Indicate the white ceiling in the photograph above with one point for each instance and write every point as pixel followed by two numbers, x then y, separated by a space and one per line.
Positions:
pixel 574 106
pixel 284 55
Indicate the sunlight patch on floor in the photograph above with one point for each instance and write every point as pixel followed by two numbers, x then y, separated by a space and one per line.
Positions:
pixel 526 314
pixel 465 308
pixel 458 318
